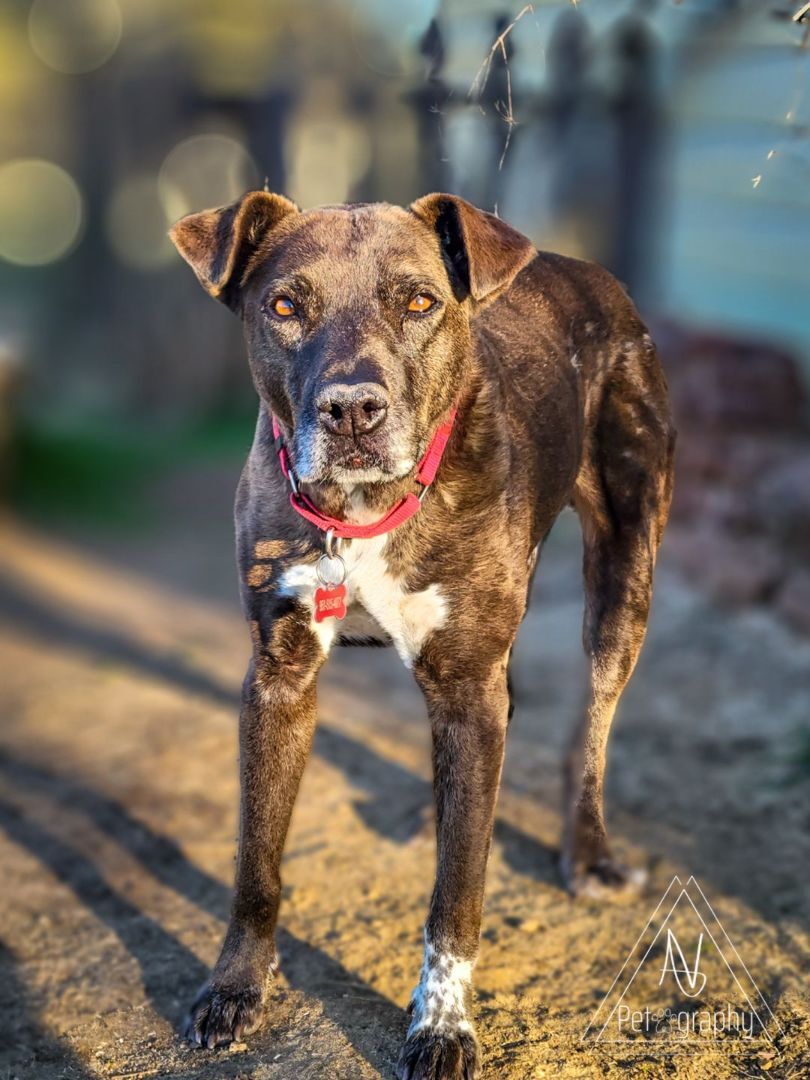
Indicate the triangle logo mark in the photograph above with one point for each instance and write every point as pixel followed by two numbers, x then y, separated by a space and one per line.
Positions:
pixel 683 981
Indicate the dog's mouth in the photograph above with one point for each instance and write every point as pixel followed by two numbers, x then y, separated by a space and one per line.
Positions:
pixel 366 465
pixel 368 459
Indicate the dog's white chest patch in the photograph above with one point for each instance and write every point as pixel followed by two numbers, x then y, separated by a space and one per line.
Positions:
pixel 408 618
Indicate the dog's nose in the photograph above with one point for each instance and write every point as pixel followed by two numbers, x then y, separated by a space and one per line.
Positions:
pixel 352 410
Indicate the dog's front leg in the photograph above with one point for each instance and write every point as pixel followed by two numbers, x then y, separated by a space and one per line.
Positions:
pixel 276 727
pixel 468 713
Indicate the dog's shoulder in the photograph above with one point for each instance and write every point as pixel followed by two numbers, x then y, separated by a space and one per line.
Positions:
pixel 565 306
pixel 575 286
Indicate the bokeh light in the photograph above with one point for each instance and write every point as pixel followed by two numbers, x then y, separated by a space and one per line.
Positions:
pixel 327 150
pixel 205 171
pixel 40 212
pixel 74 36
pixel 137 223
pixel 325 158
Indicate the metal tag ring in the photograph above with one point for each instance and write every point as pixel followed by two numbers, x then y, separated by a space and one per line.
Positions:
pixel 332 544
pixel 330 570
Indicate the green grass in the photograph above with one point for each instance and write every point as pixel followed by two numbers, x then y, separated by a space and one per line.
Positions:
pixel 102 475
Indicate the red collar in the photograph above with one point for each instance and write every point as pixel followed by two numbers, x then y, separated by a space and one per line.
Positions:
pixel 407 506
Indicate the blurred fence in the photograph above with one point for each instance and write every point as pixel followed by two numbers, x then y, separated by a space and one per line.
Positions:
pixel 618 131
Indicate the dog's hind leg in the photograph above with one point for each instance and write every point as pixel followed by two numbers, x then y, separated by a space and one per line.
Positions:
pixel 622 498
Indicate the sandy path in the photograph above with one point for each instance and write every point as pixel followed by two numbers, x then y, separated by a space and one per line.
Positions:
pixel 117 823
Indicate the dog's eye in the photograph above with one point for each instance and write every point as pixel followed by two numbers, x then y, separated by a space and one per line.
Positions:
pixel 421 303
pixel 283 307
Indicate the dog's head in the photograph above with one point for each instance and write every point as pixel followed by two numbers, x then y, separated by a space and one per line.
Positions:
pixel 356 317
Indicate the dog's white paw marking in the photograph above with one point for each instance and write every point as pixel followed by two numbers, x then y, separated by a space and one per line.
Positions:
pixel 439 1001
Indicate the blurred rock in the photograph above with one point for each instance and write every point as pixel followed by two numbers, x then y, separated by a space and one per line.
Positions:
pixel 748 457
pixel 711 505
pixel 793 600
pixel 781 500
pixel 741 509
pixel 734 570
pixel 732 385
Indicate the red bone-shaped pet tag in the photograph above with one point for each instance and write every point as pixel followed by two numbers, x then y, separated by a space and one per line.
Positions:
pixel 330 602
pixel 330 598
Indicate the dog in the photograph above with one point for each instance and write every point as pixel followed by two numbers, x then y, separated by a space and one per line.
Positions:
pixel 433 392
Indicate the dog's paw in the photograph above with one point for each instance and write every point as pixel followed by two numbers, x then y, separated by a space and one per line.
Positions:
pixel 224 1014
pixel 602 879
pixel 429 1054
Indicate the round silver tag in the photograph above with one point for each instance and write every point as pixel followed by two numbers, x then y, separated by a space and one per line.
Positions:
pixel 331 571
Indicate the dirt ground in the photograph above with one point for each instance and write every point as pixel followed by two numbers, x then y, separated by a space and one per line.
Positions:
pixel 119 673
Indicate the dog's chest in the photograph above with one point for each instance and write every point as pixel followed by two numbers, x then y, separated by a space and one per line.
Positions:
pixel 378 603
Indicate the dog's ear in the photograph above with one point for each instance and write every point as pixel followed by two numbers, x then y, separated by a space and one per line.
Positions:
pixel 482 253
pixel 218 244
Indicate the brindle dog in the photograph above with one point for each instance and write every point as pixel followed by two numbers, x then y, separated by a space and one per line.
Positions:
pixel 365 324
